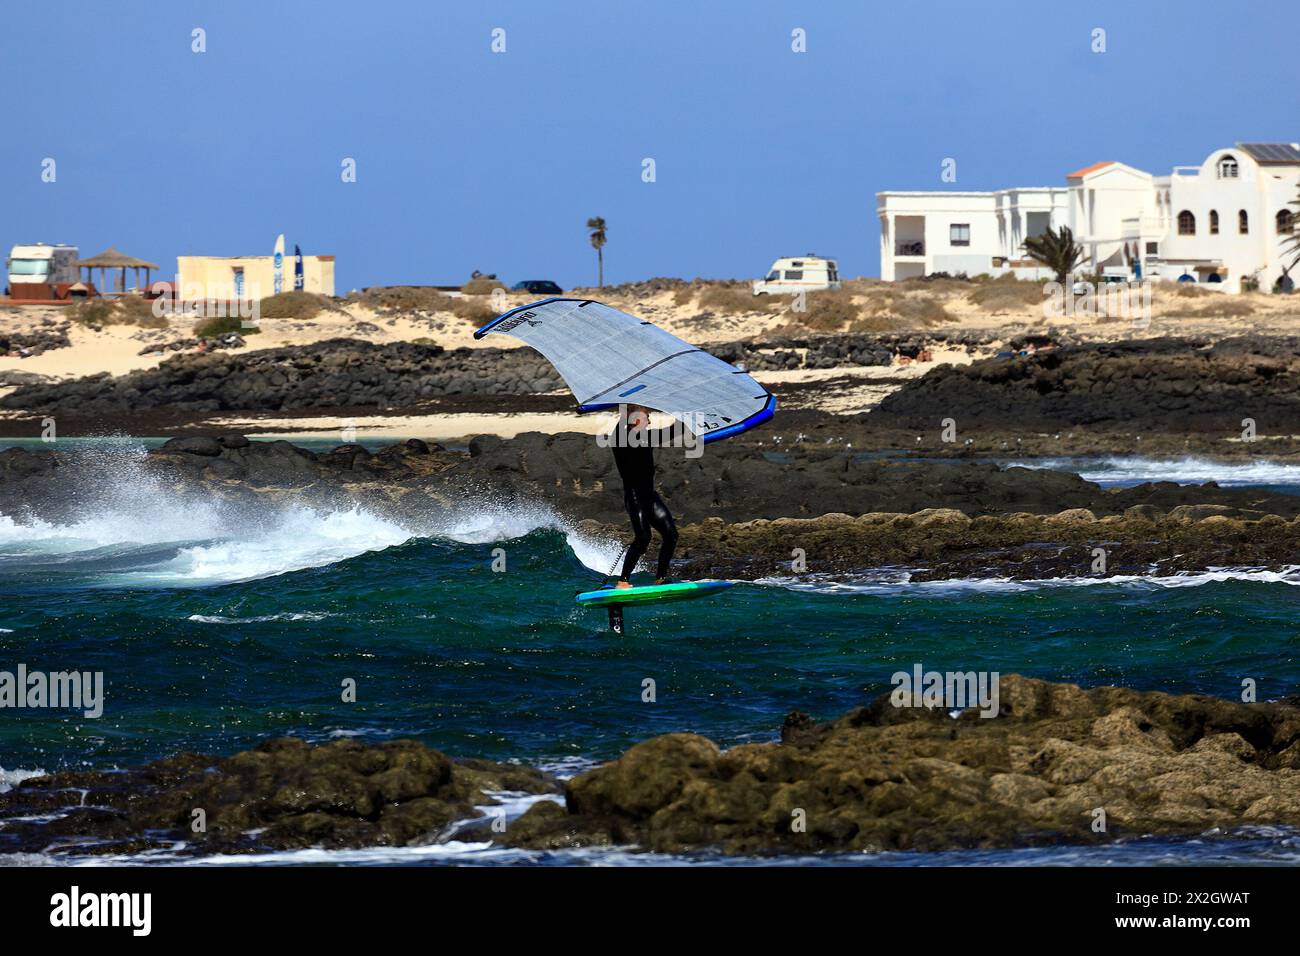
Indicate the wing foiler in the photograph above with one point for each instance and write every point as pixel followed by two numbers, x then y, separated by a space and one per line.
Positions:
pixel 608 358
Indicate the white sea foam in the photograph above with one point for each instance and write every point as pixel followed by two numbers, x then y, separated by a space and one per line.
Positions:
pixel 488 525
pixel 1129 470
pixel 216 545
pixel 298 538
pixel 900 583
pixel 125 511
pixel 258 619
pixel 122 503
pixel 11 778
pixel 126 507
pixel 566 767
pixel 1261 845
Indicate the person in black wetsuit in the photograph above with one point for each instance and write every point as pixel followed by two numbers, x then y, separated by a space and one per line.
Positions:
pixel 635 458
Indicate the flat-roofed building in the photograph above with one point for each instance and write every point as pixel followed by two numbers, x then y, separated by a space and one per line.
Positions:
pixel 247 278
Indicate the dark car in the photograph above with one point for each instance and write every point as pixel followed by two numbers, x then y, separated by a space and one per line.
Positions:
pixel 537 287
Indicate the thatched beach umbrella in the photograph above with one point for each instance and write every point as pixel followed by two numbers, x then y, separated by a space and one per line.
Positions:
pixel 110 258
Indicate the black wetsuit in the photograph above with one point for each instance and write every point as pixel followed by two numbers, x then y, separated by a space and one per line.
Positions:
pixel 636 466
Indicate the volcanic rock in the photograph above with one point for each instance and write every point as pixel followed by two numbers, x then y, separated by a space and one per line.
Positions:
pixel 1053 761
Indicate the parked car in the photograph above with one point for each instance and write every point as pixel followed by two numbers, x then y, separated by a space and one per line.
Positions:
pixel 808 273
pixel 537 287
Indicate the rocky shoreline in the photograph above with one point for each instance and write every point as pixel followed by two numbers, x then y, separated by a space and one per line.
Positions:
pixel 1042 394
pixel 1162 385
pixel 811 494
pixel 283 794
pixel 352 373
pixel 742 513
pixel 944 544
pixel 1052 762
pixel 890 778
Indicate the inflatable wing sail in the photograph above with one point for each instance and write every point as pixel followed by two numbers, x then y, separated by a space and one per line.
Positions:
pixel 608 358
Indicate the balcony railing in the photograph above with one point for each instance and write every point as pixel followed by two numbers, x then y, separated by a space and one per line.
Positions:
pixel 1134 227
pixel 909 248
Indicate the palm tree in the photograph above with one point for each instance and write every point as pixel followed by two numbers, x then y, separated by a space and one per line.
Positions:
pixel 1056 250
pixel 1292 241
pixel 597 226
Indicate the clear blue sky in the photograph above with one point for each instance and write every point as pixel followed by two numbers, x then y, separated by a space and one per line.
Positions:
pixel 468 159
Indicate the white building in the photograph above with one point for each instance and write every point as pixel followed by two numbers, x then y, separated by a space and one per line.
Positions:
pixel 1220 222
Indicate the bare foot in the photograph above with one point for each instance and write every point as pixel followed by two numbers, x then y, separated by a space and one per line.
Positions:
pixel 663 580
pixel 623 584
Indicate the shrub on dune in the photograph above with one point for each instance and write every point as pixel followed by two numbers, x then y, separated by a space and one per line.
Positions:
pixel 828 311
pixel 221 325
pixel 481 286
pixel 477 310
pixel 1006 294
pixel 295 304
pixel 128 310
pixel 734 300
pixel 937 283
pixel 402 299
pixel 1219 306
pixel 889 309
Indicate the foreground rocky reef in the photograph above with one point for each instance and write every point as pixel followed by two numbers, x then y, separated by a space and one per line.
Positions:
pixel 284 794
pixel 889 778
pixel 1053 761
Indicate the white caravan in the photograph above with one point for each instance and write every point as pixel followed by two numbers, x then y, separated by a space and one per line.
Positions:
pixel 799 274
pixel 41 263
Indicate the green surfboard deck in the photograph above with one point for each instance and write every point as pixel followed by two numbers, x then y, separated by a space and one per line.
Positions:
pixel 651 593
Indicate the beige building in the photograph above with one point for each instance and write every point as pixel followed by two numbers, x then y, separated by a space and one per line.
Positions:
pixel 248 278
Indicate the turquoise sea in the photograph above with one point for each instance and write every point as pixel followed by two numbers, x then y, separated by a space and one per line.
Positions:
pixel 217 628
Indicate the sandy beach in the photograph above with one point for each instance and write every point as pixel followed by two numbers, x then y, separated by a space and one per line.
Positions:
pixel 115 348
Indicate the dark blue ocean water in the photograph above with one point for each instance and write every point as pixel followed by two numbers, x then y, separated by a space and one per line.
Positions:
pixel 216 629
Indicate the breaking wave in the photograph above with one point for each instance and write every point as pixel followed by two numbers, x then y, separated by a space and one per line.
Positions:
pixel 132 529
pixel 196 548
pixel 488 525
pixel 192 549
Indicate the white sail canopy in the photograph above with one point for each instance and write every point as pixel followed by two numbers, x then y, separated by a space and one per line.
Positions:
pixel 608 358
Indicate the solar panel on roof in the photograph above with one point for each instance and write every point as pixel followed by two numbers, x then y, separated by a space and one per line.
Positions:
pixel 1272 152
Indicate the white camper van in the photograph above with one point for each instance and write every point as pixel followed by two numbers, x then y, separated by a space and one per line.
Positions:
pixel 799 273
pixel 45 264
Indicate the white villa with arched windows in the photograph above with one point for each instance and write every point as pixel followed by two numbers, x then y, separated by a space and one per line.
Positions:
pixel 1223 222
